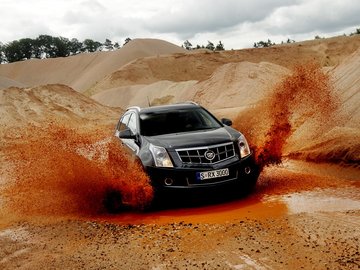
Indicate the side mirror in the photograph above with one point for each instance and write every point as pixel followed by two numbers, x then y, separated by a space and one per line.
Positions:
pixel 126 134
pixel 226 122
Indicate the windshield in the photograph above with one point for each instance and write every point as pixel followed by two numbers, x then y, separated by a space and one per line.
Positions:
pixel 182 120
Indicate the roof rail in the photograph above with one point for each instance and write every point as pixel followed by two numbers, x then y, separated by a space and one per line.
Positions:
pixel 191 102
pixel 134 108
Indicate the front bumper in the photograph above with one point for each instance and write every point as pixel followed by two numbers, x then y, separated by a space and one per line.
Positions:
pixel 241 172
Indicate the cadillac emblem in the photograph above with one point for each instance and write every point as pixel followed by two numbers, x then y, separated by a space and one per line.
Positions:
pixel 209 155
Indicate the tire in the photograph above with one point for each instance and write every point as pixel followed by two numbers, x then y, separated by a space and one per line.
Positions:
pixel 113 202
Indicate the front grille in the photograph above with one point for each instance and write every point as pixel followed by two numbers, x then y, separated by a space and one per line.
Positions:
pixel 207 154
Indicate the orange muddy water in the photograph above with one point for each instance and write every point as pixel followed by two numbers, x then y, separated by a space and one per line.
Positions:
pixel 294 187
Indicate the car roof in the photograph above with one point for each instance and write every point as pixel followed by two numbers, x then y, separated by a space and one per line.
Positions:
pixel 161 108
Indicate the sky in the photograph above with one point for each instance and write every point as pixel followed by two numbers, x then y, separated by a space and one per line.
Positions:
pixel 236 23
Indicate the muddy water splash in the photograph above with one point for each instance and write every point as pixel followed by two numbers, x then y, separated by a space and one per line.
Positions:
pixel 305 94
pixel 58 170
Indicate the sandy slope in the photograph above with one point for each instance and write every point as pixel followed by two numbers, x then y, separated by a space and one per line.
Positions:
pixel 83 70
pixel 160 92
pixel 347 83
pixel 6 83
pixel 339 139
pixel 39 104
pixel 230 88
pixel 199 65
pixel 238 85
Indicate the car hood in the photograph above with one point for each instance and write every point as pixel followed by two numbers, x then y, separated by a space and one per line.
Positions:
pixel 195 138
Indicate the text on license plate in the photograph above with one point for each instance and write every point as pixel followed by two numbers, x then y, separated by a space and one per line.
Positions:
pixel 212 174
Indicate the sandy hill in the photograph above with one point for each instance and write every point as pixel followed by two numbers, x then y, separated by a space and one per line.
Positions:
pixel 347 84
pixel 200 65
pixel 340 141
pixel 231 87
pixel 83 70
pixel 157 93
pixel 6 83
pixel 42 104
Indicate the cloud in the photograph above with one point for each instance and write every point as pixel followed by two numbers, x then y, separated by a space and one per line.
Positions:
pixel 234 22
pixel 188 18
pixel 84 12
pixel 310 16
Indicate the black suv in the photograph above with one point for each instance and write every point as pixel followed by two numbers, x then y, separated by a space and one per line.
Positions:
pixel 183 146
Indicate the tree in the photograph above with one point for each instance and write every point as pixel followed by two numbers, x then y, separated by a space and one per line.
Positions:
pixel 12 51
pixel 127 40
pixel 26 47
pixel 19 50
pixel 108 45
pixel 187 45
pixel 90 45
pixel 357 32
pixel 75 46
pixel 2 54
pixel 219 47
pixel 210 46
pixel 60 47
pixel 263 44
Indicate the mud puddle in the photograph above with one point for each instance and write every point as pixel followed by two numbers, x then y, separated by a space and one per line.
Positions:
pixel 280 192
pixel 252 207
pixel 328 200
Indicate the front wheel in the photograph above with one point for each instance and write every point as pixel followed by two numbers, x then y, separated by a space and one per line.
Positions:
pixel 249 179
pixel 113 202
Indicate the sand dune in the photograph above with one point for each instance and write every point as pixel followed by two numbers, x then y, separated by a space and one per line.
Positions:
pixel 340 141
pixel 347 84
pixel 6 83
pixel 43 104
pixel 161 92
pixel 200 65
pixel 83 70
pixel 238 85
pixel 230 84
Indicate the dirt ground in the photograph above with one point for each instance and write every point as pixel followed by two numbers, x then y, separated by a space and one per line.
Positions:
pixel 300 216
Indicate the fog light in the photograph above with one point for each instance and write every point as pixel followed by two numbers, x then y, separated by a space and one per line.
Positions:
pixel 247 170
pixel 168 181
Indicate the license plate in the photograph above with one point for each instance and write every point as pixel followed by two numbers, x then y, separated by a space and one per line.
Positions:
pixel 212 174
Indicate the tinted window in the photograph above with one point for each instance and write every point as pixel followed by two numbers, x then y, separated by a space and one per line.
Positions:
pixel 123 122
pixel 183 120
pixel 132 123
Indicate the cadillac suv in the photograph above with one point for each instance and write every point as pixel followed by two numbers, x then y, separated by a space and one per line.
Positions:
pixel 183 147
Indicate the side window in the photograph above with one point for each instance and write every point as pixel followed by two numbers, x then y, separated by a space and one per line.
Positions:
pixel 132 123
pixel 122 125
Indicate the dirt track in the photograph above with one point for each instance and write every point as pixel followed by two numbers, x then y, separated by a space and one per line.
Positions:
pixel 301 216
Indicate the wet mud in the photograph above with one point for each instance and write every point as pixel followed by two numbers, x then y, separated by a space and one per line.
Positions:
pixel 56 170
pixel 307 93
pixel 293 187
pixel 295 219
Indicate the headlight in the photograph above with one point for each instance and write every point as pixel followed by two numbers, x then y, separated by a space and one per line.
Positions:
pixel 243 147
pixel 160 155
